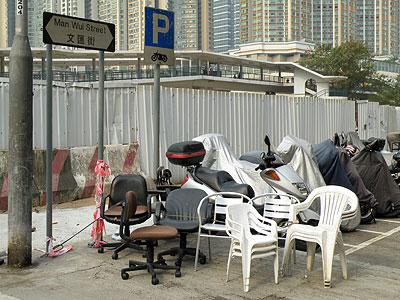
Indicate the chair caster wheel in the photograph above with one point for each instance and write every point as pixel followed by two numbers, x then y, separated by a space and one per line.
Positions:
pixel 154 281
pixel 124 276
pixel 178 274
pixel 202 261
pixel 114 256
pixel 100 250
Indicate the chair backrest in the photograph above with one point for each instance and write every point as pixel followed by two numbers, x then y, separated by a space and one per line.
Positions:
pixel 276 205
pixel 241 218
pixel 128 182
pixel 182 204
pixel 221 201
pixel 333 202
pixel 128 211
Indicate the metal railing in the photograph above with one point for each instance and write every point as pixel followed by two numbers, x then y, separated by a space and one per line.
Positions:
pixel 110 75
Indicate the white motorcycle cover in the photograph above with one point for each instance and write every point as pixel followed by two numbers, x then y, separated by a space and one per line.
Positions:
pixel 220 156
pixel 298 153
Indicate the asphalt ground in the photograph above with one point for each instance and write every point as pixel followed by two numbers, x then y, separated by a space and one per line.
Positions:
pixel 372 252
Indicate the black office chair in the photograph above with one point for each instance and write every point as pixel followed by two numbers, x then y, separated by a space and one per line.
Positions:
pixel 149 234
pixel 112 214
pixel 180 211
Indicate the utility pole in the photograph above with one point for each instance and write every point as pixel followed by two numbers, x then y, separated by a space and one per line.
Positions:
pixel 20 152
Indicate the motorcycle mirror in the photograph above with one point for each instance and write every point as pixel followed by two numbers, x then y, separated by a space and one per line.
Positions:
pixel 268 143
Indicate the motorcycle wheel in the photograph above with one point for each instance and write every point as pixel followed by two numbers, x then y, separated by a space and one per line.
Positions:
pixel 368 215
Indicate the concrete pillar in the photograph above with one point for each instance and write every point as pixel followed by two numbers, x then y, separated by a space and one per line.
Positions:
pixel 190 66
pixel 138 69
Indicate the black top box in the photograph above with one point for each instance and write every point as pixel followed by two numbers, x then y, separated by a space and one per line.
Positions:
pixel 186 153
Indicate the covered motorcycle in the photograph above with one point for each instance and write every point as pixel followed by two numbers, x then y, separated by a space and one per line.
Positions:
pixel 299 154
pixel 331 167
pixel 375 174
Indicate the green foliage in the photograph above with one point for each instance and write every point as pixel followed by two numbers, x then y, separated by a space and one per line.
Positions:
pixel 351 59
pixel 387 90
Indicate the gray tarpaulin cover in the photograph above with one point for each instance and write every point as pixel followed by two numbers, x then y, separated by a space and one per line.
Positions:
pixel 220 156
pixel 375 174
pixel 298 153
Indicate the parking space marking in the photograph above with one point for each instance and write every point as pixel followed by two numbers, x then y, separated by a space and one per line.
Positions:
pixel 370 231
pixel 389 221
pixel 373 240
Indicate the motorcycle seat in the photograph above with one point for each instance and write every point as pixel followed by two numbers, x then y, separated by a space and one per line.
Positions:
pixel 222 181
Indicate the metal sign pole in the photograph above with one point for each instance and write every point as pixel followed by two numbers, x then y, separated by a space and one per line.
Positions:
pixel 100 98
pixel 156 118
pixel 20 143
pixel 49 144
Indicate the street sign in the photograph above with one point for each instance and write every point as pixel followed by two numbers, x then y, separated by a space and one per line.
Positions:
pixel 77 32
pixel 159 36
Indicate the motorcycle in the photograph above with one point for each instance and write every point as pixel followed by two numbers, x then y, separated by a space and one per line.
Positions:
pixel 205 173
pixel 394 168
pixel 275 173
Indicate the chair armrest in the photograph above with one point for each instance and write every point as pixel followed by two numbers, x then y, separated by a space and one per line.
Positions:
pixel 299 207
pixel 158 212
pixel 156 192
pixel 263 225
pixel 103 205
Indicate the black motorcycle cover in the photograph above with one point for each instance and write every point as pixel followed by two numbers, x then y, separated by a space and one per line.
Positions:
pixel 375 174
pixel 330 166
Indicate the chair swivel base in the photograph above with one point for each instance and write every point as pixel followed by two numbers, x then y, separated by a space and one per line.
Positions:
pixel 150 266
pixel 117 247
pixel 181 253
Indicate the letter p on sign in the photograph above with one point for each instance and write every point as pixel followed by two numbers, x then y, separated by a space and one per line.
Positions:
pixel 156 26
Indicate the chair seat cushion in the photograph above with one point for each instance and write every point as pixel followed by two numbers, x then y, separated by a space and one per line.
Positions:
pixel 115 211
pixel 154 233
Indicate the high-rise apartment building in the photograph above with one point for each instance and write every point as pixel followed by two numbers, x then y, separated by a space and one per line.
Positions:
pixel 378 25
pixel 193 24
pixel 335 22
pixel 376 22
pixel 76 8
pixel 225 25
pixel 128 17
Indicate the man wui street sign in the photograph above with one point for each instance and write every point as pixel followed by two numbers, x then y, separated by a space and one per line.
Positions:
pixel 76 32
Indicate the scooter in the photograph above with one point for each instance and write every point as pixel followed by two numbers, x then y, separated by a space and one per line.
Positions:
pixel 278 175
pixel 190 154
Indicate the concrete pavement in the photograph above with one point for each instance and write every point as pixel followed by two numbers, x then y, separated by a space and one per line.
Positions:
pixel 372 253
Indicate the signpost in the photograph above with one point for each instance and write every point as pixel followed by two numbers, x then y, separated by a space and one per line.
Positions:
pixel 158 49
pixel 81 33
pixel 78 32
pixel 159 36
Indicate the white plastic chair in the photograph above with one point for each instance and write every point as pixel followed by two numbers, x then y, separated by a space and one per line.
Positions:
pixel 276 206
pixel 215 228
pixel 333 200
pixel 239 220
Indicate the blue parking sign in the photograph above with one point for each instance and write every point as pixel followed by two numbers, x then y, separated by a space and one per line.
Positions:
pixel 159 28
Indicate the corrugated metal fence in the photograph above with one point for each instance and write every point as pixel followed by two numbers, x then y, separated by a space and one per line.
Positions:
pixel 244 118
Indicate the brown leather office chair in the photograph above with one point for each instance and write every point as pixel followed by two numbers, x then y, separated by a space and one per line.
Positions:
pixel 111 206
pixel 149 234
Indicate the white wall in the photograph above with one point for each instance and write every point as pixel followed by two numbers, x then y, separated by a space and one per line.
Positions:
pixel 244 118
